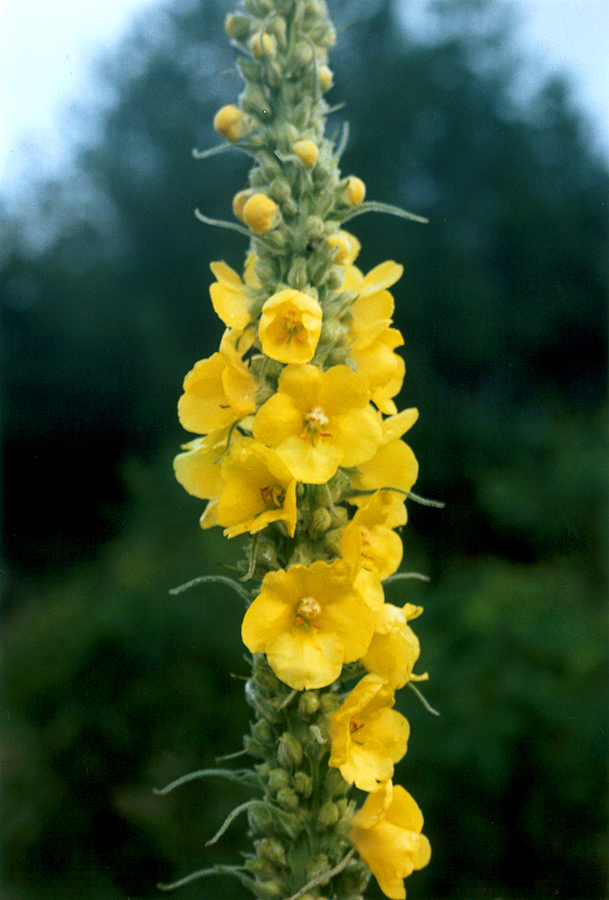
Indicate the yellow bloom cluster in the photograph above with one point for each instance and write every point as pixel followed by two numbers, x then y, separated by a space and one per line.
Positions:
pixel 299 442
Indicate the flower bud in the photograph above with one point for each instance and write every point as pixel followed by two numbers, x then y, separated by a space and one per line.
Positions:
pixel 303 784
pixel 308 704
pixel 237 27
pixel 265 677
pixel 301 56
pixel 269 165
pixel 278 780
pixel 289 751
pixel 355 191
pixel 307 153
pixel 328 815
pixel 315 227
pixel 280 189
pixel 258 8
pixel 251 69
pixel 263 45
pixel 329 702
pixel 270 889
pixel 347 246
pixel 288 798
pixel 260 213
pixel 335 785
pixel 254 100
pixel 263 733
pixel 253 747
pixel 297 276
pixel 228 122
pixel 239 201
pixel 336 278
pixel 273 850
pixel 261 867
pixel 321 521
pixel 325 77
pixel 316 743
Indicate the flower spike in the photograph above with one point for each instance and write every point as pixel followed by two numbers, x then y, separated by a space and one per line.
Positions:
pixel 299 447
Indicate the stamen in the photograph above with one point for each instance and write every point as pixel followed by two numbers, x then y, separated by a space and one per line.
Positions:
pixel 307 611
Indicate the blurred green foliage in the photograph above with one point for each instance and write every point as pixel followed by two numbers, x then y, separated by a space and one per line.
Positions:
pixel 112 686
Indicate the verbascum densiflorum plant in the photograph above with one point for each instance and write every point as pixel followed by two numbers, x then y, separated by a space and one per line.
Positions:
pixel 299 444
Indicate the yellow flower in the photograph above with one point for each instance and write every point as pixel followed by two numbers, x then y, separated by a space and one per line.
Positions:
pixel 229 297
pixel 197 468
pixel 263 45
pixel 387 834
pixel 355 191
pixel 260 213
pixel 394 464
pixel 218 391
pixel 290 326
pixel 307 153
pixel 394 649
pixel 372 310
pixel 368 737
pixel 325 77
pixel 228 122
pixel 347 246
pixel 384 369
pixel 371 547
pixel 239 201
pixel 258 490
pixel 308 621
pixel 318 421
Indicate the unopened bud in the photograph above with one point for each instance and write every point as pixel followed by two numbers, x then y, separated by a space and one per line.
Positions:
pixel 347 246
pixel 301 56
pixel 266 272
pixel 280 189
pixel 260 213
pixel 254 100
pixel 328 815
pixel 273 850
pixel 325 77
pixel 263 45
pixel 297 276
pixel 253 747
pixel 237 27
pixel 289 751
pixel 239 201
pixel 329 702
pixel 335 785
pixel 261 819
pixel 315 227
pixel 287 798
pixel 303 784
pixel 308 704
pixel 228 122
pixel 336 278
pixel 355 191
pixel 278 780
pixel 321 521
pixel 270 889
pixel 263 733
pixel 307 153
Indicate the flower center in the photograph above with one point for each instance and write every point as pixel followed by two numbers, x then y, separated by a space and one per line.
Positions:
pixel 307 612
pixel 367 556
pixel 292 326
pixel 272 496
pixel 314 422
pixel 355 727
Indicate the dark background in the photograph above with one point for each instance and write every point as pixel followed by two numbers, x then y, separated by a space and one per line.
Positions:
pixel 112 686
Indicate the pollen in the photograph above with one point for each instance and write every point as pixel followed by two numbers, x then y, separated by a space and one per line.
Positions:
pixel 317 419
pixel 308 611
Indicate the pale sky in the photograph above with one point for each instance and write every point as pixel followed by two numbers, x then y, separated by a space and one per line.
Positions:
pixel 46 48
